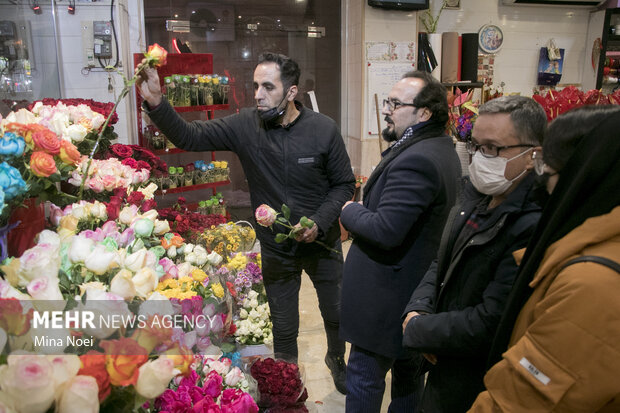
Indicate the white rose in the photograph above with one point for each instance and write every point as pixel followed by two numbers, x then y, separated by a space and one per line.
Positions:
pixel 199 249
pixel 172 252
pixel 78 211
pixel 191 258
pixel 97 120
pixel 149 190
pixel 188 248
pixel 66 367
pixel 81 394
pixel 8 291
pixel 185 269
pixel 157 303
pixel 135 261
pixel 39 261
pixel 220 366
pixel 145 281
pixel 23 116
pixel 80 248
pixel 252 294
pixel 75 133
pixel 44 289
pixel 254 303
pixel 93 285
pixel 161 227
pixel 150 214
pixel 201 258
pixel 5 405
pixel 122 284
pixel 127 214
pixel 59 123
pixel 98 210
pixel 100 260
pixel 233 376
pixel 48 237
pixel 28 382
pixel 243 313
pixel 103 304
pixel 154 377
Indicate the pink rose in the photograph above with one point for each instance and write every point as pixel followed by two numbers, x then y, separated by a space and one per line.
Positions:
pixel 235 400
pixel 109 182
pixel 265 215
pixel 213 384
pixel 95 185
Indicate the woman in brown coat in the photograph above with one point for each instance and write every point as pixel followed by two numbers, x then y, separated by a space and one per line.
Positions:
pixel 562 321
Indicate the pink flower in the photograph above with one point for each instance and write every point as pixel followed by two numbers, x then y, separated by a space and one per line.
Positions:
pixel 265 215
pixel 95 185
pixel 109 182
pixel 55 215
pixel 237 401
pixel 213 384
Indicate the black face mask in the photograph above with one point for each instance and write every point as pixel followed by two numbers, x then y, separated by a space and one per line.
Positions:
pixel 273 114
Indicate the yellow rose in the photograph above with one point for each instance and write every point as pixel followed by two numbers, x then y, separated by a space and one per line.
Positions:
pixel 218 290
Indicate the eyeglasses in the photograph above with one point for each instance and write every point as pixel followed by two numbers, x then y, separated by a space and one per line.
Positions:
pixel 488 150
pixel 395 104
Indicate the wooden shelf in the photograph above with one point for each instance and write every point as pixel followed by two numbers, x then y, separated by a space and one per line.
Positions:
pixel 192 187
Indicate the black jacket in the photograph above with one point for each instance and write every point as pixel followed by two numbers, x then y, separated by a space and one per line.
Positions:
pixel 396 232
pixel 303 165
pixel 465 291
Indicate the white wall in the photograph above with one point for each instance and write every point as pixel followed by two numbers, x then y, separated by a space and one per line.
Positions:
pixel 526 29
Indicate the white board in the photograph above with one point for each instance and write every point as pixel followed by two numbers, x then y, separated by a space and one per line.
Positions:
pixel 381 77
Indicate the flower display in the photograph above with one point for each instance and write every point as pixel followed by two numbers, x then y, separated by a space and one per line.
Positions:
pixel 136 157
pixel 555 103
pixel 280 385
pixel 227 239
pixel 463 113
pixel 107 175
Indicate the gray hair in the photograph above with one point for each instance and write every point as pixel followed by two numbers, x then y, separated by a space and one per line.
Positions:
pixel 527 116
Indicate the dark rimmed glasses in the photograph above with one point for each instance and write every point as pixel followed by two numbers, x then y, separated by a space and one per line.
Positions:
pixel 395 104
pixel 490 151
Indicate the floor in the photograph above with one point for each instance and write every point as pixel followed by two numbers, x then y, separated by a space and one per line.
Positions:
pixel 322 395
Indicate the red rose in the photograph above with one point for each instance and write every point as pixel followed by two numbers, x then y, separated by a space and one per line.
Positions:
pixel 148 205
pixel 122 151
pixel 131 162
pixel 142 165
pixel 135 198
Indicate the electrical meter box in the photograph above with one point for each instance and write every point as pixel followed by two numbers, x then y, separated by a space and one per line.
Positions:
pixel 102 39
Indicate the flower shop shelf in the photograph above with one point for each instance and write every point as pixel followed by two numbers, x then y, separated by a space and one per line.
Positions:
pixel 192 187
pixel 202 108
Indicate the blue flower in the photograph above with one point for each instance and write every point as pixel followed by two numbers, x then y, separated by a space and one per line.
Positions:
pixel 11 181
pixel 12 145
pixel 2 204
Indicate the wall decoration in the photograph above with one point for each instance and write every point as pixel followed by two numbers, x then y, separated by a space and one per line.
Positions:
pixel 453 4
pixel 490 38
pixel 486 65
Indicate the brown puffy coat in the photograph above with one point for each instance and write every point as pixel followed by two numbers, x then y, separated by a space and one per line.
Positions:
pixel 564 353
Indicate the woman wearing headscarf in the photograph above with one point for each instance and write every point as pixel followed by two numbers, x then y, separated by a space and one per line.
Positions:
pixel 557 348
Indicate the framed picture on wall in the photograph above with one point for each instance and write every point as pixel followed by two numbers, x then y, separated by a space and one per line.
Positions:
pixel 453 4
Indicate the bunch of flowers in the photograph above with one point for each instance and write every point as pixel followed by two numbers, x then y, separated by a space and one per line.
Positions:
pixel 243 272
pixel 33 160
pixel 463 114
pixel 229 238
pixel 107 175
pixel 136 156
pixel 214 386
pixel 570 97
pixel 254 325
pixel 280 385
pixel 187 223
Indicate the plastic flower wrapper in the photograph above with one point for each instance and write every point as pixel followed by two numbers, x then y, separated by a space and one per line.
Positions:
pixel 228 239
pixel 212 385
pixel 280 384
pixel 267 216
pixel 557 102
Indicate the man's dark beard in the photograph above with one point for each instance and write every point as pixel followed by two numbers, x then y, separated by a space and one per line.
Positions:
pixel 389 135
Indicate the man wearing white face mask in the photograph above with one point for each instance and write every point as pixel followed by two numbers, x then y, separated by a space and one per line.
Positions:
pixel 452 315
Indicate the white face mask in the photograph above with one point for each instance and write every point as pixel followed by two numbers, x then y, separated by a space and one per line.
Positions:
pixel 487 174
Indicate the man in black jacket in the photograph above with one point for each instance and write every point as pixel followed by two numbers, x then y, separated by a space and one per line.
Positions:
pixel 452 315
pixel 290 155
pixel 396 233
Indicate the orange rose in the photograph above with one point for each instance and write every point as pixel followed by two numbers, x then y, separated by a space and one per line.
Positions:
pixel 123 357
pixel 12 319
pixel 47 141
pixel 156 55
pixel 94 365
pixel 42 164
pixel 69 154
pixel 182 358
pixel 151 336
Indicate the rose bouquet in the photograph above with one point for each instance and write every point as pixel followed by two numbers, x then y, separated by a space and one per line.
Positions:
pixel 280 385
pixel 187 223
pixel 463 114
pixel 227 239
pixel 243 273
pixel 136 156
pixel 212 386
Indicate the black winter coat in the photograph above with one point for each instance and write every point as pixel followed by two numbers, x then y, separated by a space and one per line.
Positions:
pixel 464 292
pixel 303 165
pixel 396 233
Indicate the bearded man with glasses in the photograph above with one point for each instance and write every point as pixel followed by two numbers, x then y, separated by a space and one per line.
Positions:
pixel 396 232
pixel 452 315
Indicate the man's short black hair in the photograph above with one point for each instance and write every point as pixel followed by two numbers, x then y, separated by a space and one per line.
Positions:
pixel 289 69
pixel 433 96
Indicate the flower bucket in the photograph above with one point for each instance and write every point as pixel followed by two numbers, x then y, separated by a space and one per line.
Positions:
pixel 249 350
pixel 30 220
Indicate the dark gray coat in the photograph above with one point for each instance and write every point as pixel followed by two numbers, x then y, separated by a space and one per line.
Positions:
pixel 396 232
